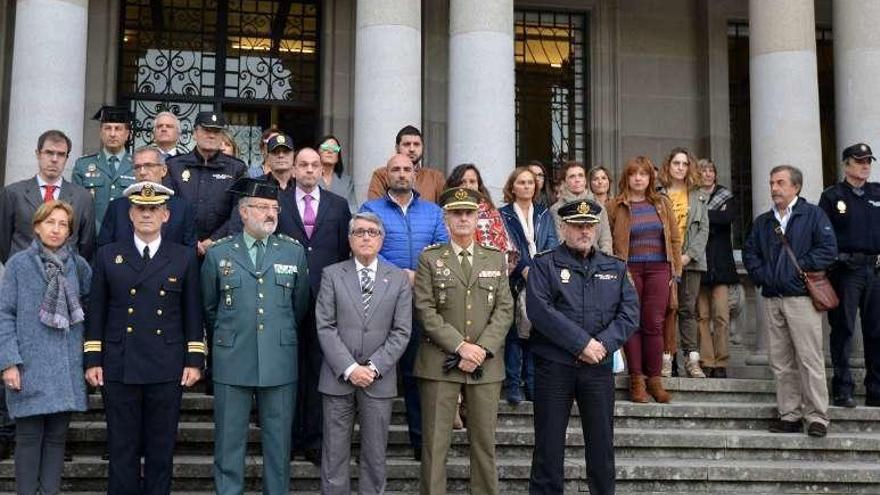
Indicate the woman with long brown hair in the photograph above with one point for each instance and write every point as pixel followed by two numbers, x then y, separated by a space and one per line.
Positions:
pixel 645 235
pixel 681 180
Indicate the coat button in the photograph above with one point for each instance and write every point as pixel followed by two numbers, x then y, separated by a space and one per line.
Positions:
pixel 159 312
pixel 468 306
pixel 131 311
pixel 161 292
pixel 133 291
pixel 159 332
pixel 129 329
pixel 260 326
pixel 260 310
pixel 468 323
pixel 260 295
pixel 259 280
pixel 225 287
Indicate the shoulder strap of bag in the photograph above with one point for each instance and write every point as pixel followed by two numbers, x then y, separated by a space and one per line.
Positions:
pixel 787 247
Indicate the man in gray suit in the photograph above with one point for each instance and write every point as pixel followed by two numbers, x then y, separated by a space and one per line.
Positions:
pixel 20 200
pixel 364 320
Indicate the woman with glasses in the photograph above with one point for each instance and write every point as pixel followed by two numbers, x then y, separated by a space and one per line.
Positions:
pixel 41 346
pixel 332 177
pixel 543 184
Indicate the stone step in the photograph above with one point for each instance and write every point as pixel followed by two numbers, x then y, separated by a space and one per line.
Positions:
pixel 194 473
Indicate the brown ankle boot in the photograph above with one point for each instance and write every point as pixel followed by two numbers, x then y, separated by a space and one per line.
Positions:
pixel 637 391
pixel 655 388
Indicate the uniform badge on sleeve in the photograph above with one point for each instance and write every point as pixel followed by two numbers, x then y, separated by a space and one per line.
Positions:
pixel 185 175
pixel 841 207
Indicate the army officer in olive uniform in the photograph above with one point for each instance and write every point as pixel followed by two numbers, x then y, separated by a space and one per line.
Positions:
pixel 255 287
pixel 108 172
pixel 463 300
pixel 143 342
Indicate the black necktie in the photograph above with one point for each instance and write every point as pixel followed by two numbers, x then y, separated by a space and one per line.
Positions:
pixel 147 253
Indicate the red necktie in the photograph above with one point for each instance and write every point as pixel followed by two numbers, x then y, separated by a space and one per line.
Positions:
pixel 50 193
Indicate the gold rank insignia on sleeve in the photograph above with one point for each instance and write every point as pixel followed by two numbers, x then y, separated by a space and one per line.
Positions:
pixel 197 347
pixel 92 346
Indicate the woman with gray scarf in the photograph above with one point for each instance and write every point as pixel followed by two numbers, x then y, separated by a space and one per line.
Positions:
pixel 41 342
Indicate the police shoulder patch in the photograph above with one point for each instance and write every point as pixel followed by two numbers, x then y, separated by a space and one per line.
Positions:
pixel 287 238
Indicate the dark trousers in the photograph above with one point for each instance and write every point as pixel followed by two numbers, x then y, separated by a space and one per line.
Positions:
pixel 411 395
pixel 593 389
pixel 858 287
pixel 308 423
pixel 141 419
pixel 39 453
pixel 519 366
pixel 7 425
pixel 644 349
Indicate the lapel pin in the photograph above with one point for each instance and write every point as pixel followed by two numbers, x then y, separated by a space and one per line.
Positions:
pixel 118 259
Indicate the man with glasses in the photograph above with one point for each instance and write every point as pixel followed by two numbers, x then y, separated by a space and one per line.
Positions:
pixel 255 293
pixel 364 315
pixel 18 203
pixel 149 166
pixel 107 173
pixel 203 176
pixel 320 223
pixel 853 206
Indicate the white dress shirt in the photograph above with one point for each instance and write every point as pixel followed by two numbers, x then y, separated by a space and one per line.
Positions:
pixel 784 217
pixel 42 183
pixel 301 200
pixel 140 245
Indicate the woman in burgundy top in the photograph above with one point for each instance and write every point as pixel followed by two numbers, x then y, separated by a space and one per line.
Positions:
pixel 645 235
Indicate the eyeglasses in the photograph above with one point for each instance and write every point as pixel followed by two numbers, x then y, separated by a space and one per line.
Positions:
pixel 373 233
pixel 335 148
pixel 54 154
pixel 266 208
pixel 139 166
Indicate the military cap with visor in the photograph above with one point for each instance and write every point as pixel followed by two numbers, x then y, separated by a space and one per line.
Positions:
pixel 113 115
pixel 859 151
pixel 279 141
pixel 147 193
pixel 254 188
pixel 580 211
pixel 460 198
pixel 210 120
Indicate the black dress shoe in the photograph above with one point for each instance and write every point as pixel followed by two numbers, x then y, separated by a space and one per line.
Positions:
pixel 709 372
pixel 68 456
pixel 5 450
pixel 106 455
pixel 782 426
pixel 844 401
pixel 313 456
pixel 720 373
pixel 817 429
pixel 417 454
pixel 872 402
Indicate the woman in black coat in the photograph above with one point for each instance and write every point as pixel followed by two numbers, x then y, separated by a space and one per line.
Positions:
pixel 712 303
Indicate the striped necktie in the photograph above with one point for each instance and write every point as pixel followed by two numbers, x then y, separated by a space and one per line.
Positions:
pixel 366 288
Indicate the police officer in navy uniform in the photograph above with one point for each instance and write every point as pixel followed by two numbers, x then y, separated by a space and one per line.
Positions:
pixel 853 206
pixel 203 176
pixel 108 172
pixel 143 343
pixel 583 306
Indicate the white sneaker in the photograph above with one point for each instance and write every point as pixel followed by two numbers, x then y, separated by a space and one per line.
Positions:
pixel 666 369
pixel 692 365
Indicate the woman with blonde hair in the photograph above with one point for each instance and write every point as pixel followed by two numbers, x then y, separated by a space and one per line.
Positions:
pixel 681 180
pixel 646 236
pixel 41 346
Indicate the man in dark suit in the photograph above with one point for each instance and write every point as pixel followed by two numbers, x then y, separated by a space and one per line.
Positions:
pixel 20 200
pixel 144 342
pixel 149 166
pixel 364 319
pixel 320 224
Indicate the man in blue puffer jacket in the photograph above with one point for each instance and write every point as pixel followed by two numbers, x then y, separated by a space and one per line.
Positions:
pixel 411 224
pixel 794 325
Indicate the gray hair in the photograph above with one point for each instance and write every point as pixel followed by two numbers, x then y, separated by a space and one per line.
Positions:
pixel 369 217
pixel 167 114
pixel 794 174
pixel 150 149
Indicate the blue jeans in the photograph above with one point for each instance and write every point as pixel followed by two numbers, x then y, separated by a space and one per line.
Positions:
pixel 519 366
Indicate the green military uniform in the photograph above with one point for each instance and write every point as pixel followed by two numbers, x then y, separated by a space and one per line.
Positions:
pixel 254 308
pixel 454 308
pixel 105 181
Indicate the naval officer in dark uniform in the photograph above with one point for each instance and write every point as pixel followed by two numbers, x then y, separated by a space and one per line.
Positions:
pixel 143 343
pixel 853 206
pixel 583 306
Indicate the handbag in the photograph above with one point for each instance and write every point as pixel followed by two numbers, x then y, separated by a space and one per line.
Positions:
pixel 818 286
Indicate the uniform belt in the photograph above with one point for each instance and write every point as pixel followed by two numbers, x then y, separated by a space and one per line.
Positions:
pixel 858 258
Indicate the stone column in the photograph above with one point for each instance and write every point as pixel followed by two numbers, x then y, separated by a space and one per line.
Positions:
pixel 857 74
pixel 482 127
pixel 47 89
pixel 388 81
pixel 784 104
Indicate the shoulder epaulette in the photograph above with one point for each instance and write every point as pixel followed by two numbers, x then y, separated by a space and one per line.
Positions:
pixel 615 257
pixel 222 240
pixel 490 247
pixel 90 155
pixel 287 238
pixel 542 253
pixel 829 188
pixel 432 246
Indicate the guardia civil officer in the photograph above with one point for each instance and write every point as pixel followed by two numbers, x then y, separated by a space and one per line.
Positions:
pixel 583 307
pixel 203 176
pixel 144 342
pixel 853 206
pixel 255 287
pixel 108 172
pixel 462 297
